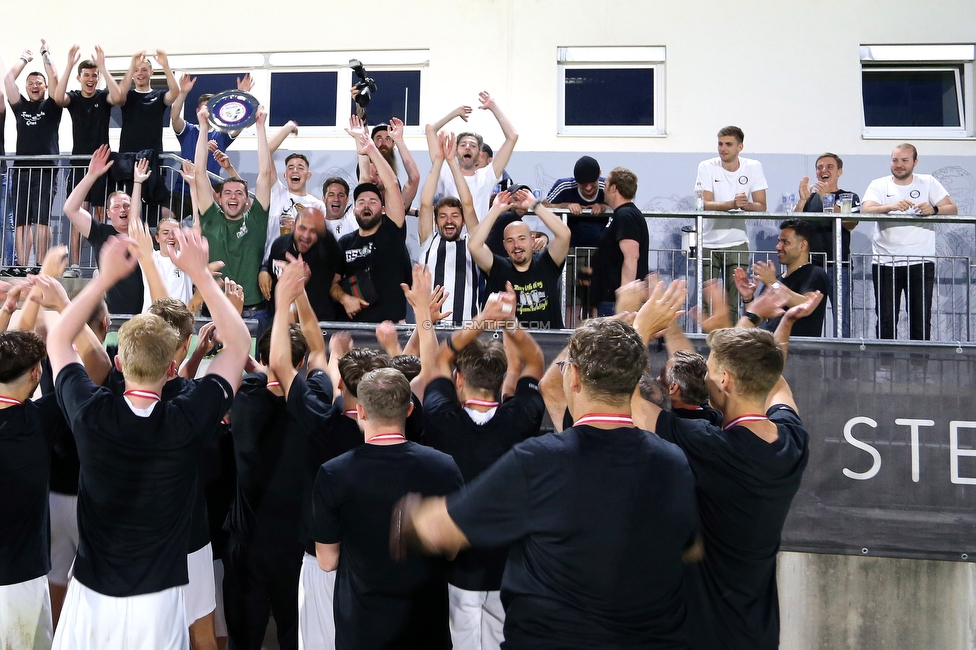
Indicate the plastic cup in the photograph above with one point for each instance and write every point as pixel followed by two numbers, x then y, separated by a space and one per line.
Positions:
pixel 846 202
pixel 828 202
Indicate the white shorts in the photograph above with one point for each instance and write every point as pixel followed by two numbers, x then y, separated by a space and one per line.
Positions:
pixel 199 595
pixel 25 615
pixel 220 622
pixel 91 621
pixel 316 619
pixel 477 619
pixel 64 536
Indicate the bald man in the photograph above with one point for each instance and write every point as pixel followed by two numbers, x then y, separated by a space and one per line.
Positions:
pixel 311 240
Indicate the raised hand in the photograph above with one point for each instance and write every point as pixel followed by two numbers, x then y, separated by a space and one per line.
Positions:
pixel 448 145
pixel 141 237
pixel 487 103
pixel 632 295
pixel 141 171
pixel 52 296
pixel 418 295
pixel 55 261
pixel 339 344
pixel 463 112
pixel 356 127
pixel 437 300
pixel 192 255
pixel 119 258
pixel 245 83
pixel 73 57
pixel 765 271
pixel 188 172
pixel 804 309
pixel 713 293
pixel 99 57
pixel 662 308
pixel 186 83
pixel 99 161
pixel 396 129
pixel 745 285
pixel 291 284
pixel 234 293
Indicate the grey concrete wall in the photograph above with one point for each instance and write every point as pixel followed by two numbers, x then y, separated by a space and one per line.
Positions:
pixel 841 602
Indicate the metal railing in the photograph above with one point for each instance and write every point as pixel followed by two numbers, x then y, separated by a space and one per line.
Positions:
pixel 33 190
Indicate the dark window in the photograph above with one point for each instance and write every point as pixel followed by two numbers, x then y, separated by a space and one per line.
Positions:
pixel 207 84
pixel 397 95
pixel 154 83
pixel 910 98
pixel 309 98
pixel 609 97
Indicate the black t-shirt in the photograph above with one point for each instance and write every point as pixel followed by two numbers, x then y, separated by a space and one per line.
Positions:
pixel 744 487
pixel 706 413
pixel 381 603
pixel 3 150
pixel 90 117
pixel 218 474
pixel 37 128
pixel 536 289
pixel 823 241
pixel 806 278
pixel 27 434
pixel 199 528
pixel 323 261
pixel 142 120
pixel 381 260
pixel 271 452
pixel 598 521
pixel 138 481
pixel 329 432
pixel 627 222
pixel 475 447
pixel 585 228
pixel 126 296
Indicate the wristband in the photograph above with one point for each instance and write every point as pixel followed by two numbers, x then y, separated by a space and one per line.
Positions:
pixel 25 59
pixel 536 204
pixel 755 319
pixel 450 344
pixel 139 182
pixel 746 302
pixel 935 209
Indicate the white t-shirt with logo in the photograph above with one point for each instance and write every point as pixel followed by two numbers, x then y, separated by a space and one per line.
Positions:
pixel 724 185
pixel 284 203
pixel 344 224
pixel 894 240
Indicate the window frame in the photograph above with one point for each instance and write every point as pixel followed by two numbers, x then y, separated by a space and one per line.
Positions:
pixel 613 58
pixel 262 66
pixel 923 58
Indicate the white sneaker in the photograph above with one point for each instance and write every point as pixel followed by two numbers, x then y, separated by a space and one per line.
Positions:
pixel 73 271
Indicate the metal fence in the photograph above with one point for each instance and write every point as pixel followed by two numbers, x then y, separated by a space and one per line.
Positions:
pixel 896 294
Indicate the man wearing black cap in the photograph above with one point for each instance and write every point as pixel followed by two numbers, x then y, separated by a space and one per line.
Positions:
pixel 584 190
pixel 375 258
pixel 386 137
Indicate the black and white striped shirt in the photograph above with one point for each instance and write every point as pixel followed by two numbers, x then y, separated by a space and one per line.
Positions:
pixel 453 268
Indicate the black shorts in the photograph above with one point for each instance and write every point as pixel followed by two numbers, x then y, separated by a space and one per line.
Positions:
pixel 33 189
pixel 97 193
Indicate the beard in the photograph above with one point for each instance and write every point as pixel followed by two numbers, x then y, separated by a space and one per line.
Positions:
pixel 368 220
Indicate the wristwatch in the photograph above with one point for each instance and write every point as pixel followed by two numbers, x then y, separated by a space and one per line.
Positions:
pixel 755 319
pixel 775 285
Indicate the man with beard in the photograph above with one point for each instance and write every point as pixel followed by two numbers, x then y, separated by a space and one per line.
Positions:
pixel 800 283
pixel 38 119
pixel 375 260
pixel 480 181
pixel 321 254
pixel 386 137
pixel 91 110
pixel 534 276
pixel 236 230
pixel 338 213
pixel 443 248
pixel 125 297
pixel 900 247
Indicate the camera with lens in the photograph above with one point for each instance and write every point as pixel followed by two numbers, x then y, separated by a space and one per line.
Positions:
pixel 366 84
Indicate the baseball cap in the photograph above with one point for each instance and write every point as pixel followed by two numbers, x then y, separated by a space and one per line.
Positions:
pixel 587 170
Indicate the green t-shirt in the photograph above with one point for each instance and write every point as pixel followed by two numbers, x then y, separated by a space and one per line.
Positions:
pixel 239 245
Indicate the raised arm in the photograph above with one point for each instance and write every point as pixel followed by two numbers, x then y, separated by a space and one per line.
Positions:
pixel 10 79
pixel 115 262
pixel 468 212
pixel 80 218
pixel 192 258
pixel 479 250
pixel 266 169
pixel 409 190
pixel 115 96
pixel 59 94
pixel 318 359
pixel 52 72
pixel 126 84
pixel 393 200
pixel 434 128
pixel 529 352
pixel 201 181
pixel 559 246
pixel 418 295
pixel 139 233
pixel 278 137
pixel 551 387
pixel 172 86
pixel 55 261
pixel 504 153
pixel 427 220
pixel 291 284
pixel 176 110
